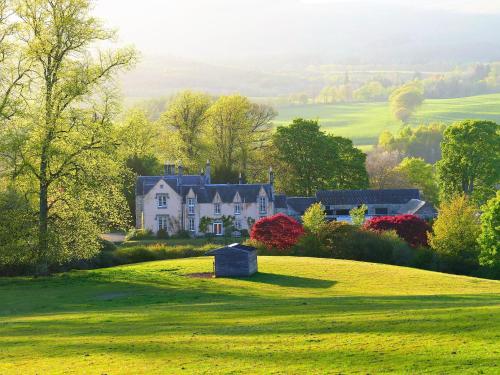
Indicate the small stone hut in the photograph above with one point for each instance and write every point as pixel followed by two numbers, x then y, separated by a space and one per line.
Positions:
pixel 235 260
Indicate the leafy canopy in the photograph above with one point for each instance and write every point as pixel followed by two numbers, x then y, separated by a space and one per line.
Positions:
pixel 471 159
pixel 489 239
pixel 314 218
pixel 455 233
pixel 309 160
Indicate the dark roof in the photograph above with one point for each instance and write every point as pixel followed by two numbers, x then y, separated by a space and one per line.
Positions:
pixel 300 204
pixel 204 193
pixel 280 201
pixel 354 197
pixel 427 208
pixel 145 183
pixel 235 247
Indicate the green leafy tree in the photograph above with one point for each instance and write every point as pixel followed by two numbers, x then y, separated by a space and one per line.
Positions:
pixel 405 100
pixel 425 142
pixel 238 130
pixel 138 139
pixel 18 229
pixel 314 218
pixel 471 159
pixel 308 160
pixel 418 174
pixel 350 172
pixel 358 215
pixel 455 234
pixel 370 92
pixel 14 65
pixel 186 118
pixel 422 142
pixel 137 135
pixel 63 145
pixel 489 239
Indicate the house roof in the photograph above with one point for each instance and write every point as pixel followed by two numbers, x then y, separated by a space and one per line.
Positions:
pixel 356 197
pixel 144 184
pixel 280 201
pixel 300 204
pixel 205 193
pixel 235 247
pixel 426 209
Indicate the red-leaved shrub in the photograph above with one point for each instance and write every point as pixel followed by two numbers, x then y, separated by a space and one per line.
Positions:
pixel 410 228
pixel 278 231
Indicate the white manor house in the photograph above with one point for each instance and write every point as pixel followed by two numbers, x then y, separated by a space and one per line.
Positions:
pixel 176 202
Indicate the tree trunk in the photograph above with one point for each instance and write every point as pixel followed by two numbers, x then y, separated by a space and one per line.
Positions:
pixel 42 267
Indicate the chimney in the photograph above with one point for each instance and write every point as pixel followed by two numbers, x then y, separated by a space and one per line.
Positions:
pixel 181 171
pixel 169 169
pixel 271 176
pixel 202 177
pixel 240 179
pixel 208 177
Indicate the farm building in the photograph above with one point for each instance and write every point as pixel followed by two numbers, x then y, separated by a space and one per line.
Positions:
pixel 235 260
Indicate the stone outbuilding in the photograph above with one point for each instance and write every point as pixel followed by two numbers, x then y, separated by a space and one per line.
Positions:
pixel 235 260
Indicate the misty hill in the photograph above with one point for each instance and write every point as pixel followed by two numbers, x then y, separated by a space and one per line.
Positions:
pixel 275 48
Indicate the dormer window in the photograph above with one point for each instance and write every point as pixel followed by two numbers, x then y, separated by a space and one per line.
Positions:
pixel 217 208
pixel 262 205
pixel 191 205
pixel 162 200
pixel 237 208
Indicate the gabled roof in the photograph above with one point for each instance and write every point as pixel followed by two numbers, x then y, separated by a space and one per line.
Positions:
pixel 144 184
pixel 235 247
pixel 204 193
pixel 356 197
pixel 280 201
pixel 300 204
pixel 412 206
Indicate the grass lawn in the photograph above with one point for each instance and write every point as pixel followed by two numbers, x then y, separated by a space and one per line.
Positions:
pixel 363 122
pixel 298 316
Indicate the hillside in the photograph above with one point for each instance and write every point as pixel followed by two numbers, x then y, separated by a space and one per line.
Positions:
pixel 363 122
pixel 299 315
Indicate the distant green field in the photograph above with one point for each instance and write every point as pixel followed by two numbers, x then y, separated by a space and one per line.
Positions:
pixel 297 316
pixel 363 122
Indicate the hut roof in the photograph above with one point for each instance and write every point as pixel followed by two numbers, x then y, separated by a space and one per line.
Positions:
pixel 235 247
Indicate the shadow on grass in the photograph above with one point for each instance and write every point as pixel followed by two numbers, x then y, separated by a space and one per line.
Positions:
pixel 289 281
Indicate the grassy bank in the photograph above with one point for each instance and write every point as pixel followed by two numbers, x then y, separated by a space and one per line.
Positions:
pixel 299 315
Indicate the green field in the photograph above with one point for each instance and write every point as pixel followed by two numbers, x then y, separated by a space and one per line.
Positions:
pixel 363 122
pixel 298 316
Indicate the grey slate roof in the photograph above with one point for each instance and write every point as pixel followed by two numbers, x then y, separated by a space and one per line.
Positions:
pixel 280 201
pixel 205 193
pixel 300 204
pixel 235 247
pixel 356 197
pixel 145 183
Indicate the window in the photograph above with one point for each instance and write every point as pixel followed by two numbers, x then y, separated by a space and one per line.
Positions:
pixel 191 205
pixel 217 208
pixel 162 200
pixel 262 205
pixel 342 212
pixel 191 224
pixel 163 222
pixel 217 229
pixel 237 224
pixel 381 211
pixel 237 209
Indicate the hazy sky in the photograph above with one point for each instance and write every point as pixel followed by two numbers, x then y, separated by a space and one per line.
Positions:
pixel 212 29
